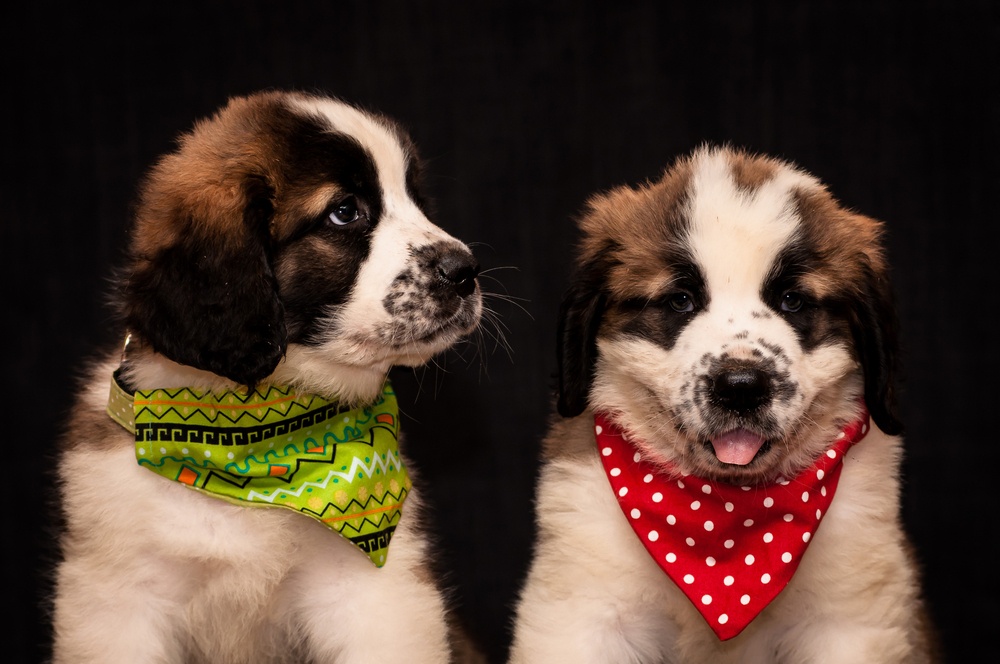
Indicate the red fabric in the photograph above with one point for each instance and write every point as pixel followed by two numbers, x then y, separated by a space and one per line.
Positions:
pixel 730 549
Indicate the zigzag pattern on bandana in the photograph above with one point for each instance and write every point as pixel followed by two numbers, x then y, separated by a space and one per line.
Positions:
pixel 277 448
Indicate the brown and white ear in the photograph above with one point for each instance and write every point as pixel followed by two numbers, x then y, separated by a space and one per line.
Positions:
pixel 579 320
pixel 202 290
pixel 874 328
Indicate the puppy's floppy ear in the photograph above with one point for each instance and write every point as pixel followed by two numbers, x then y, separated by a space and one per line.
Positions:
pixel 207 296
pixel 874 328
pixel 579 319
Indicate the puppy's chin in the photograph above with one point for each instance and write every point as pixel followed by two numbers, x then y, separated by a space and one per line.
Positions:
pixel 352 368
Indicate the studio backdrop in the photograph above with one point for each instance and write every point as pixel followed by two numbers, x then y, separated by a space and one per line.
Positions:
pixel 522 110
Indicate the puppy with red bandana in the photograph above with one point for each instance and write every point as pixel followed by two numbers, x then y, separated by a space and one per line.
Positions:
pixel 722 484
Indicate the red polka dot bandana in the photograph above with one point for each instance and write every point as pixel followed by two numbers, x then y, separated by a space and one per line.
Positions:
pixel 730 549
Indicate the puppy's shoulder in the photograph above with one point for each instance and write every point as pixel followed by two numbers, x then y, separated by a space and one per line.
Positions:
pixel 87 425
pixel 570 438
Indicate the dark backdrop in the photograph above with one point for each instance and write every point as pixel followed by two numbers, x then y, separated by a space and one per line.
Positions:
pixel 522 110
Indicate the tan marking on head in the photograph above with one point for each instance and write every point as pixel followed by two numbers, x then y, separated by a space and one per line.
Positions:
pixel 843 240
pixel 629 230
pixel 750 171
pixel 201 189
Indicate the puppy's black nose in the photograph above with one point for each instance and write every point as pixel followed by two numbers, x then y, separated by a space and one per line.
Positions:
pixel 460 269
pixel 741 389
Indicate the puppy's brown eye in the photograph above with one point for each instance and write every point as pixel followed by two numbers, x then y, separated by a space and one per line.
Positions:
pixel 346 212
pixel 681 302
pixel 791 302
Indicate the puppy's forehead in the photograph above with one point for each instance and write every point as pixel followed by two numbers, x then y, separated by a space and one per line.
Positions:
pixel 743 213
pixel 383 142
pixel 721 212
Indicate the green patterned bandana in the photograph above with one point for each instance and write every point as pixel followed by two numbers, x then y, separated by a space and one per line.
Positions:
pixel 277 449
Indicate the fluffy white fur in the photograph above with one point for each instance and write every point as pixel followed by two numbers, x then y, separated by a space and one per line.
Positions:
pixel 154 572
pixel 593 593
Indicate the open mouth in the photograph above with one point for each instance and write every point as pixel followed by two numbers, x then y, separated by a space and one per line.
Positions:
pixel 738 447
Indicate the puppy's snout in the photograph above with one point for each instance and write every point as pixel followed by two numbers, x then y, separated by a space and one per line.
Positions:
pixel 459 268
pixel 741 389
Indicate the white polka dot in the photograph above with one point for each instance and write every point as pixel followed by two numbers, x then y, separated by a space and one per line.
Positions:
pixel 671 557
pixel 648 478
pixel 653 535
pixel 348 419
pixel 671 519
pixel 598 429
pixel 208 453
pixel 832 454
pixel 615 472
pixel 230 456
pixel 728 544
pixel 622 491
pixel 163 450
pixel 748 523
pixel 819 514
pixel 766 578
pixel 710 561
pixel 690 541
pixel 745 488
pixel 864 428
pixel 680 484
pixel 820 474
pixel 729 580
pixel 749 559
pixel 142 450
pixel 706 489
pixel 695 505
pixel 745 600
pixel 606 451
pixel 709 526
pixel 839 436
pixel 805 496
pixel 635 513
pixel 657 497
pixel 185 451
pixel 786 557
pixel 636 457
pixel 806 536
pixel 768 501
pixel 783 482
pixel 723 619
pixel 729 507
pixel 822 491
pixel 788 518
pixel 706 599
pixel 768 538
pixel 688 578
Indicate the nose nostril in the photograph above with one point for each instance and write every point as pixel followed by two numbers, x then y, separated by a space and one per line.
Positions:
pixel 741 390
pixel 460 270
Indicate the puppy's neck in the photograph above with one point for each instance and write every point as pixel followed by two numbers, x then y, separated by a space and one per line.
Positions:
pixel 144 369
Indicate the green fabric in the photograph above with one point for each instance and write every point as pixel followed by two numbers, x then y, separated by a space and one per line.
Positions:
pixel 277 449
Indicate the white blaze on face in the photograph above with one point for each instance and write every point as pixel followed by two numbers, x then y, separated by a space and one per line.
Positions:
pixel 734 237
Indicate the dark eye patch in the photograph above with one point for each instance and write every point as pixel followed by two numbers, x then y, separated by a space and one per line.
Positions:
pixel 662 318
pixel 318 259
pixel 815 320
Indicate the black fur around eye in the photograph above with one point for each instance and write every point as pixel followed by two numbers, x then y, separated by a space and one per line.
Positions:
pixel 345 212
pixel 792 302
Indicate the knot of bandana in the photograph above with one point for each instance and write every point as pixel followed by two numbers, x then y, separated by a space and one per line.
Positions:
pixel 277 448
pixel 730 549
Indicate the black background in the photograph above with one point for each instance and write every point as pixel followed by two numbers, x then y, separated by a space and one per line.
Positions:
pixel 523 109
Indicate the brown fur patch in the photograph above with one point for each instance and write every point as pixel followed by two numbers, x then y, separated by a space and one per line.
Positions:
pixel 628 230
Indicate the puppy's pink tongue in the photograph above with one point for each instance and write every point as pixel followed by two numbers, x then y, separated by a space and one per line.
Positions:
pixel 737 447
